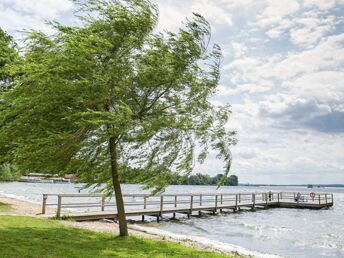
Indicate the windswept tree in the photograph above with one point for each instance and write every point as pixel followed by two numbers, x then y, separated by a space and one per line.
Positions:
pixel 112 95
pixel 8 57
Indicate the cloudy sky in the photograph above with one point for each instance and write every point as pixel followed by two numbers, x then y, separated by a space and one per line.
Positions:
pixel 283 74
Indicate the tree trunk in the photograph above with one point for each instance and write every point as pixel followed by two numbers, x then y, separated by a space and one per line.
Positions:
pixel 123 229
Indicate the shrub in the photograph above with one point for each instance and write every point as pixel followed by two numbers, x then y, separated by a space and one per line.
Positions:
pixel 8 173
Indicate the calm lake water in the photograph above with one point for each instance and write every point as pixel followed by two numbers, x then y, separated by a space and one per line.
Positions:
pixel 280 232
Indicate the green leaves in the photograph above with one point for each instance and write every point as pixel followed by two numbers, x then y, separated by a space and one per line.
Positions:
pixel 8 57
pixel 112 77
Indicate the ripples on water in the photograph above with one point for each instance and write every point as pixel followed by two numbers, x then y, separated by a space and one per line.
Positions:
pixel 284 232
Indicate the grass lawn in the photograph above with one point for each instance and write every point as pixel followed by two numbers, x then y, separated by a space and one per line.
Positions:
pixel 31 237
pixel 4 207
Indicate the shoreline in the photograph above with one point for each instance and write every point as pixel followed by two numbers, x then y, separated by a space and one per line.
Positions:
pixel 267 232
pixel 24 208
pixel 27 207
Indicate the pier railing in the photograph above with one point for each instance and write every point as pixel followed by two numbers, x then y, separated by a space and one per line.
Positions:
pixel 78 203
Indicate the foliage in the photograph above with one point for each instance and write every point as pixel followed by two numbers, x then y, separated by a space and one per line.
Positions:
pixel 200 179
pixel 135 176
pixel 8 172
pixel 113 77
pixel 44 238
pixel 232 180
pixel 8 57
pixel 96 98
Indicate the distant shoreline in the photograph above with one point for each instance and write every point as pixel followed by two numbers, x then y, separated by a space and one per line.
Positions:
pixel 297 185
pixel 246 185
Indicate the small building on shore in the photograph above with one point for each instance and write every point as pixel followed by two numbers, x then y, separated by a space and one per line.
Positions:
pixel 46 178
pixel 70 177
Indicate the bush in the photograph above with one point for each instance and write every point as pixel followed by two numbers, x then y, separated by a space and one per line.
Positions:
pixel 8 173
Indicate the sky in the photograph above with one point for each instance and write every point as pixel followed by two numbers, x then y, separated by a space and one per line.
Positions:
pixel 282 73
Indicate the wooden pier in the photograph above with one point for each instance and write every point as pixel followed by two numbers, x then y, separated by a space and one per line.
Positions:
pixel 81 207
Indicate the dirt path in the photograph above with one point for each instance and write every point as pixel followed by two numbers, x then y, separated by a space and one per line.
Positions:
pixel 20 208
pixel 23 208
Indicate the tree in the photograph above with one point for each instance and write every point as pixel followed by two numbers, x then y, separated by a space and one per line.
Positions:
pixel 8 173
pixel 232 180
pixel 199 179
pixel 8 56
pixel 111 95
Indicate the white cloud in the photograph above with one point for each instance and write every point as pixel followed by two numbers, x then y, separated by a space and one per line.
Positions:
pixel 321 4
pixel 311 29
pixel 327 55
pixel 323 85
pixel 276 11
pixel 239 49
pixel 39 8
pixel 174 13
pixel 17 15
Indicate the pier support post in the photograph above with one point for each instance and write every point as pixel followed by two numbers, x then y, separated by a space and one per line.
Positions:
pixel 200 200
pixel 191 206
pixel 253 202
pixel 191 202
pixel 161 203
pixel 59 206
pixel 103 203
pixel 236 202
pixel 221 201
pixel 143 218
pixel 174 215
pixel 145 202
pixel 45 197
pixel 215 203
pixel 278 197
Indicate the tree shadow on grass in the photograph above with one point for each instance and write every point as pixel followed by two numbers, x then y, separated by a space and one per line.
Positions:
pixel 4 207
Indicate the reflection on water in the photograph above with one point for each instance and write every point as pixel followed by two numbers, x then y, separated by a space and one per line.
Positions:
pixel 285 232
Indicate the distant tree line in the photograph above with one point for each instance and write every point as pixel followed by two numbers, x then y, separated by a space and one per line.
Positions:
pixel 136 176
pixel 201 179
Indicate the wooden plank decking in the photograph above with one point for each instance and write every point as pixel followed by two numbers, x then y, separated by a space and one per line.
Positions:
pixel 157 206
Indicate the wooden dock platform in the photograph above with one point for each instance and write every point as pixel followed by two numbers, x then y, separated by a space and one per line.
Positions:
pixel 82 207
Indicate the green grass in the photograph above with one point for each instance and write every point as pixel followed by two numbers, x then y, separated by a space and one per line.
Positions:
pixel 31 237
pixel 4 207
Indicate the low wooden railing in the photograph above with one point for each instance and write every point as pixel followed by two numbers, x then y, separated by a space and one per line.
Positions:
pixel 145 201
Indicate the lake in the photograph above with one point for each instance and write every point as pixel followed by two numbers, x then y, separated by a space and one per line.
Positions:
pixel 280 232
